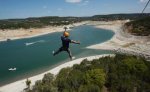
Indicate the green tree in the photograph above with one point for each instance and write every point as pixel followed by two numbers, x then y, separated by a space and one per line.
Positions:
pixel 28 82
pixel 89 88
pixel 96 76
pixel 45 85
pixel 61 79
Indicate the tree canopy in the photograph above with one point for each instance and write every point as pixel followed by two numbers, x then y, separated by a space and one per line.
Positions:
pixel 121 73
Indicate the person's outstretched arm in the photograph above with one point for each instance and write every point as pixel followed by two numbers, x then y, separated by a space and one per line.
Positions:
pixel 76 42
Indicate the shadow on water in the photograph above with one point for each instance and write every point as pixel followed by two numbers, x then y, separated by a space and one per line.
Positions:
pixel 34 55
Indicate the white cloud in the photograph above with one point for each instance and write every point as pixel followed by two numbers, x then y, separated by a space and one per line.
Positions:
pixel 84 3
pixel 73 1
pixel 143 1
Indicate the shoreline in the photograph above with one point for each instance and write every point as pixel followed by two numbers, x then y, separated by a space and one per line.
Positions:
pixel 123 42
pixel 17 34
pixel 20 85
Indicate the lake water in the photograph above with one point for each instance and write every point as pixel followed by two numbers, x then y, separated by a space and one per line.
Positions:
pixel 34 55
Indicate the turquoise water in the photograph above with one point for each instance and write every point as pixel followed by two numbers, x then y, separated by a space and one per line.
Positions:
pixel 34 55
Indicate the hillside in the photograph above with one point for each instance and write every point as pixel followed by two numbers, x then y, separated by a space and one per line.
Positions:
pixel 109 74
pixel 132 16
pixel 38 22
pixel 140 27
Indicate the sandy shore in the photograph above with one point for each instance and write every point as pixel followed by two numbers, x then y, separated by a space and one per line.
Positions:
pixel 32 32
pixel 123 42
pixel 20 85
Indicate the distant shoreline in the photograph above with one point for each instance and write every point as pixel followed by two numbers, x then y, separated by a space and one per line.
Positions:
pixel 15 34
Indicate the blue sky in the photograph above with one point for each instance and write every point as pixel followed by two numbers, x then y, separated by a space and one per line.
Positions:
pixel 37 8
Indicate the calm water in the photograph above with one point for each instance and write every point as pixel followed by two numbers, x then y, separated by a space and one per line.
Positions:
pixel 34 55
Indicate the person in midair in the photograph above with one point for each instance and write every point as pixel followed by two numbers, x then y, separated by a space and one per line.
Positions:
pixel 65 44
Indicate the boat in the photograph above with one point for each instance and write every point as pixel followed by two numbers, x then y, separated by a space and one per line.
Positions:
pixel 12 69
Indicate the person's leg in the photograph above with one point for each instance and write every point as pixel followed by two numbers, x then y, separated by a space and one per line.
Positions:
pixel 58 51
pixel 69 52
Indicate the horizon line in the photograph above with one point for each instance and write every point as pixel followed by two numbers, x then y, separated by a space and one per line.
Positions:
pixel 69 16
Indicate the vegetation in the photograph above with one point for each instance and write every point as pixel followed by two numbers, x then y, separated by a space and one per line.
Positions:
pixel 38 22
pixel 45 85
pixel 140 27
pixel 28 82
pixel 133 16
pixel 121 73
pixel 57 21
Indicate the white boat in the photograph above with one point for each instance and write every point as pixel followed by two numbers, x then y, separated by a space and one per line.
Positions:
pixel 12 69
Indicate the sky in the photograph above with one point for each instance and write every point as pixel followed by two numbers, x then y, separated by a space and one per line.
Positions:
pixel 37 8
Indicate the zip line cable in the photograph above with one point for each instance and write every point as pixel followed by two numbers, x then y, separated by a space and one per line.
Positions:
pixel 146 6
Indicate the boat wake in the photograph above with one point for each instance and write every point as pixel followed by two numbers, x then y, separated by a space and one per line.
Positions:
pixel 31 43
